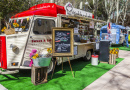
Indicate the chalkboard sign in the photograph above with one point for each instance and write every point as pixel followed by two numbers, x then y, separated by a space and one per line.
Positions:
pixel 62 41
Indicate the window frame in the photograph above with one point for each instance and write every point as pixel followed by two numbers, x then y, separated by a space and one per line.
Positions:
pixel 43 19
pixel 24 18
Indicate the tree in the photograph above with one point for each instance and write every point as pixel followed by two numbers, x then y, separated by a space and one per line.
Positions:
pixel 124 11
pixel 10 7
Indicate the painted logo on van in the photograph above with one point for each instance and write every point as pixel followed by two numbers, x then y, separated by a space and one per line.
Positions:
pixel 69 7
pixel 48 40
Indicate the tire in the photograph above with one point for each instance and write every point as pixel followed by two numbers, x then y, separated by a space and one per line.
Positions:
pixel 51 67
pixel 88 56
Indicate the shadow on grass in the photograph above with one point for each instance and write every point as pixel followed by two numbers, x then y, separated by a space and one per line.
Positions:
pixel 22 73
pixel 77 65
pixel 84 72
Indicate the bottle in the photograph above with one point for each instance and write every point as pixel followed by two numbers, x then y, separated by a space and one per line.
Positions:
pixel 82 37
pixel 85 38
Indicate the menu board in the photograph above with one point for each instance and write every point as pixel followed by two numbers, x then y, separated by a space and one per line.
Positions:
pixel 62 42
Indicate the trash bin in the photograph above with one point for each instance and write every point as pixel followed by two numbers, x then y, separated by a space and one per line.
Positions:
pixel 94 60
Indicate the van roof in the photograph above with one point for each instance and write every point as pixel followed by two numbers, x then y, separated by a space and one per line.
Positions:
pixel 44 9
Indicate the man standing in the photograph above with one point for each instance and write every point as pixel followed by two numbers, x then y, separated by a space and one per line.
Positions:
pixel 126 39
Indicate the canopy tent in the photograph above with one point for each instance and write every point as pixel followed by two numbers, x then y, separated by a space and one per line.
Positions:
pixel 113 26
pixel 45 9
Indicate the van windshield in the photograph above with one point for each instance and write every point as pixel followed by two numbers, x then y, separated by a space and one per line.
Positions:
pixel 43 26
pixel 20 25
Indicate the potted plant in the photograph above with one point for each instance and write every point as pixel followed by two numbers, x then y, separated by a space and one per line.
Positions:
pixel 41 60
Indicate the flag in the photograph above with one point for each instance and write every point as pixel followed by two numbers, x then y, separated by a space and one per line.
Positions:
pixel 108 27
pixel 21 21
pixel 27 19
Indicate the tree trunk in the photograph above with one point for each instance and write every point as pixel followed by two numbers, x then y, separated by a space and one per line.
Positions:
pixel 108 20
pixel 117 9
pixel 95 8
pixel 126 5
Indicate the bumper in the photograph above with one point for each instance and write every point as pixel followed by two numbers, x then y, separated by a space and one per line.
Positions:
pixel 8 71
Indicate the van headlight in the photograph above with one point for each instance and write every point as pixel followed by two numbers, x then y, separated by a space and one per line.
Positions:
pixel 14 48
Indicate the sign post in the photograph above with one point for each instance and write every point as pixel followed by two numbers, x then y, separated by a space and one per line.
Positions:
pixel 62 44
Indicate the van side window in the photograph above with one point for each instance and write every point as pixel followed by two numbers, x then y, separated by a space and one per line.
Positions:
pixel 43 26
pixel 20 25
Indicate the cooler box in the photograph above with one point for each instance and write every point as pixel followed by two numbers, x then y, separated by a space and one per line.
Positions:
pixel 94 60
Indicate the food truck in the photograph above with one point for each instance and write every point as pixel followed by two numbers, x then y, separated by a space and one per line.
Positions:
pixel 116 36
pixel 34 31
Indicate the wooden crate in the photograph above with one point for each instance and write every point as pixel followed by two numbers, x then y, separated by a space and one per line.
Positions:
pixel 39 75
pixel 112 59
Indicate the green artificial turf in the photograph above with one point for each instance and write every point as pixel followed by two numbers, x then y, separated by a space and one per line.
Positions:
pixel 84 74
pixel 121 47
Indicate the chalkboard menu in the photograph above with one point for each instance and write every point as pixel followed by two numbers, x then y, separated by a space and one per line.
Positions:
pixel 62 41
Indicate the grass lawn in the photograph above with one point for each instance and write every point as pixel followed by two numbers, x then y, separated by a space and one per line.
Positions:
pixel 120 47
pixel 84 74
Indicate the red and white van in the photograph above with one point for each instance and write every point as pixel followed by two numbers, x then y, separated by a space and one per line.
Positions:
pixel 38 21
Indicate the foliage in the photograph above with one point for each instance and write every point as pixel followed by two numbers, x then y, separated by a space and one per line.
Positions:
pixel 36 54
pixel 10 7
pixel 3 29
pixel 15 24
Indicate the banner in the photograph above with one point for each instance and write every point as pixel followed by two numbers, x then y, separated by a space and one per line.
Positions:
pixel 91 24
pixel 70 10
pixel 109 28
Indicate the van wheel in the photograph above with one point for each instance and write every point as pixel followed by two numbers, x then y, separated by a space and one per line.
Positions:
pixel 51 67
pixel 88 56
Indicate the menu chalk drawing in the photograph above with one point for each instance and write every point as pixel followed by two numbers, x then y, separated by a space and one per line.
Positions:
pixel 62 41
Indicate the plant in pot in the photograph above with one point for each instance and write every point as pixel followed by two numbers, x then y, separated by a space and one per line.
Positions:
pixel 41 59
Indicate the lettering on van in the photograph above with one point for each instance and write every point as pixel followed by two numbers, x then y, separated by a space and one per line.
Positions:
pixel 47 40
pixel 70 10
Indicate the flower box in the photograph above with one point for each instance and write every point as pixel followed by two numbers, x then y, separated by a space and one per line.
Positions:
pixel 41 62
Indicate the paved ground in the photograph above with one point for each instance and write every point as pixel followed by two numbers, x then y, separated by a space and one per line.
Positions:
pixel 118 78
pixel 2 87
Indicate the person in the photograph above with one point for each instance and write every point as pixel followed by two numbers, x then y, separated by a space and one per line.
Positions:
pixel 126 39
